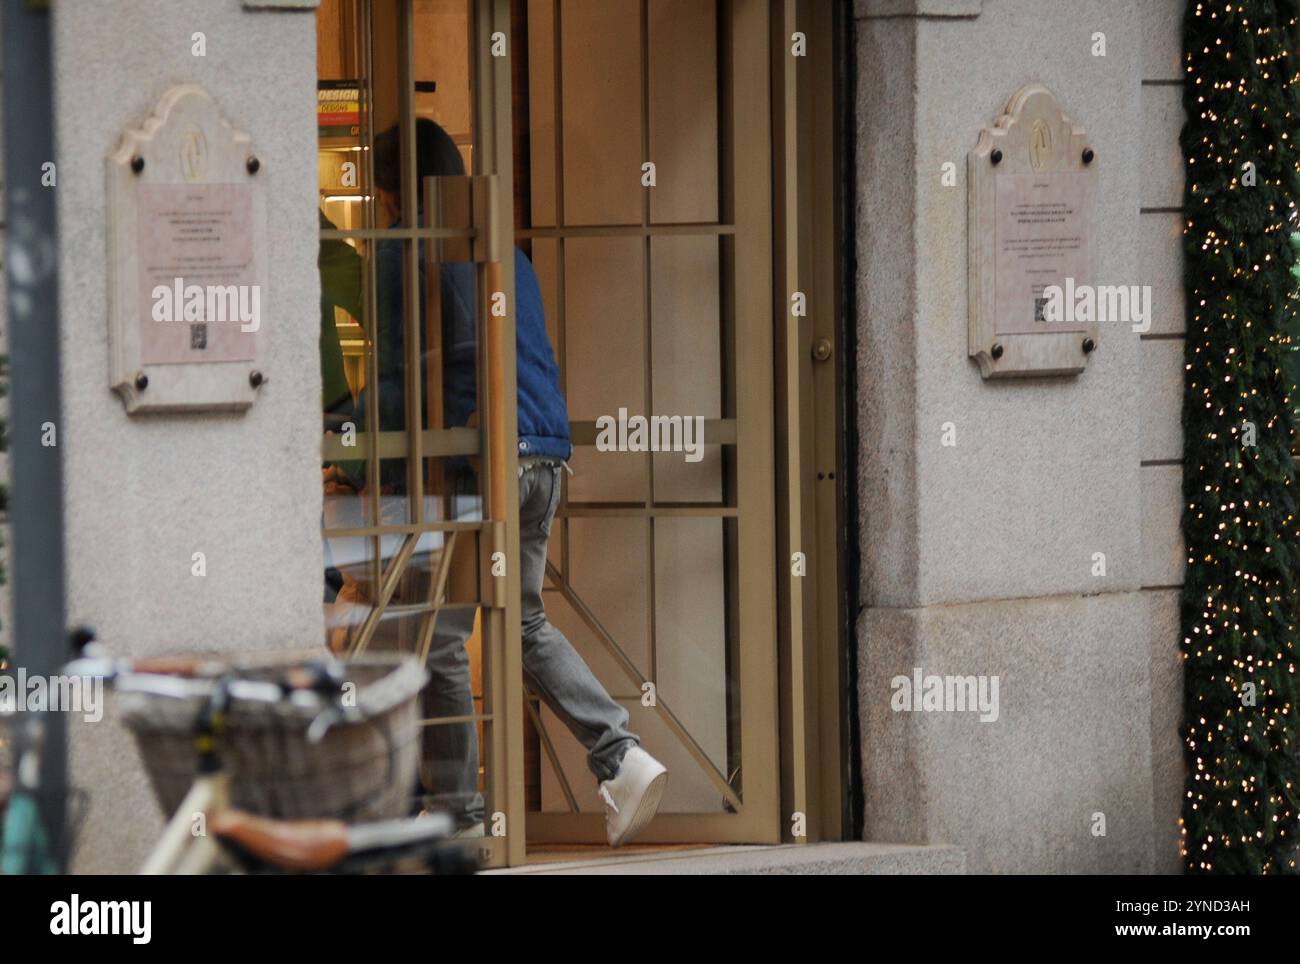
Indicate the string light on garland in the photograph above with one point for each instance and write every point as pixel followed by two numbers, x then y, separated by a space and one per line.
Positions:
pixel 1241 595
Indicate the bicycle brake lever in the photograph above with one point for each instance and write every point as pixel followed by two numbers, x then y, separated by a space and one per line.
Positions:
pixel 323 722
pixel 327 718
pixel 328 677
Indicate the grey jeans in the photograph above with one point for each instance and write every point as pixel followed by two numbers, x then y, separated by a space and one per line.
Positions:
pixel 552 669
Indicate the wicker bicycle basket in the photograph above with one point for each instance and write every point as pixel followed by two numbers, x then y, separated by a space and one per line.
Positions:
pixel 363 769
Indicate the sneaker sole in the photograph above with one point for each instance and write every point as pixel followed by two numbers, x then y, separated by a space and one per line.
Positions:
pixel 645 810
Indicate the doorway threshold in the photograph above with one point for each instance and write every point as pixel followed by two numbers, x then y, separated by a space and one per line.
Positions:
pixel 849 858
pixel 558 853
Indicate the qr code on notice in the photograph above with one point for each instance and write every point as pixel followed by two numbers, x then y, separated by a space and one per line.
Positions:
pixel 198 337
pixel 1039 305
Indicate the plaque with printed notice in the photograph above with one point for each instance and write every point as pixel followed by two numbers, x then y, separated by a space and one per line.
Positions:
pixel 187 260
pixel 1031 231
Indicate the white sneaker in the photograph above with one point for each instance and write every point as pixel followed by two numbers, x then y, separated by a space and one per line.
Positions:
pixel 632 797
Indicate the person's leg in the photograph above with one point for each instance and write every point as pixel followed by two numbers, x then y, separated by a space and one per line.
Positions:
pixel 449 759
pixel 552 666
pixel 449 751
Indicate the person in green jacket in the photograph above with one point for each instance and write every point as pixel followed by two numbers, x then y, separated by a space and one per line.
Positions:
pixel 340 287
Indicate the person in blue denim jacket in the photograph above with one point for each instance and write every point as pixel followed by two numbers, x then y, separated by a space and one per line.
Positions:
pixel 631 782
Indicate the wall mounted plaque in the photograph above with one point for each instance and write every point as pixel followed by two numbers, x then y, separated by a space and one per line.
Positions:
pixel 187 260
pixel 1031 225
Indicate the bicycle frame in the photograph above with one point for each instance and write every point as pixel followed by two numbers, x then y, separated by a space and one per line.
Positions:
pixel 185 846
pixel 25 841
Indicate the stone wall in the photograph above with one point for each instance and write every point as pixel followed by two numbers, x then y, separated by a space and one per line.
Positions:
pixel 979 557
pixel 145 493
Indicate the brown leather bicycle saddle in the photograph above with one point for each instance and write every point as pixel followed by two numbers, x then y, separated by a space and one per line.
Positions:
pixel 291 844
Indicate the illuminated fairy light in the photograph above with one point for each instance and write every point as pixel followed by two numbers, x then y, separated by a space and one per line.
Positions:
pixel 1242 584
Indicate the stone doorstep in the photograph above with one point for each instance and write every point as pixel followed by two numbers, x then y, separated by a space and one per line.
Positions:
pixel 838 859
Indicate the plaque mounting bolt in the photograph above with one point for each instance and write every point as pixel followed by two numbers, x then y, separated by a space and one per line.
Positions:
pixel 137 164
pixel 1088 155
pixel 253 165
pixel 141 381
pixel 255 378
pixel 822 349
pixel 1088 346
pixel 996 156
pixel 996 350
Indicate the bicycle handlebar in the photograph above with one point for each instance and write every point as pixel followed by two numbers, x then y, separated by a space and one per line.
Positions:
pixel 313 685
pixel 192 676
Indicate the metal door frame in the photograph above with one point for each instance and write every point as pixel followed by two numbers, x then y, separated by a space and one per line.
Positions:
pixel 812 179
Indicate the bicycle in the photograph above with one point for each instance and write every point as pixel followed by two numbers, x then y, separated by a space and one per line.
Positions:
pixel 25 844
pixel 208 833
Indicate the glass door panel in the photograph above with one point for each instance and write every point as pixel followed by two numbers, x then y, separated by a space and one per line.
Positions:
pixel 646 134
pixel 414 370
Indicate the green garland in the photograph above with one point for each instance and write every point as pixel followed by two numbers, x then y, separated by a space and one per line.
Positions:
pixel 1241 597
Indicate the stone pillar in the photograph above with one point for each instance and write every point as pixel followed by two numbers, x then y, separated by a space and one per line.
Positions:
pixel 978 557
pixel 144 493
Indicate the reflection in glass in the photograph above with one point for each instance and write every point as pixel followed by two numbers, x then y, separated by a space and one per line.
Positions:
pixel 398 363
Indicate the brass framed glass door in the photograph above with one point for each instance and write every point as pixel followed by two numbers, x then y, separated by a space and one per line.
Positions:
pixel 648 216
pixel 417 358
pixel 626 147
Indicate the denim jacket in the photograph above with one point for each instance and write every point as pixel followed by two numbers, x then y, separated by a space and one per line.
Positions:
pixel 542 413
